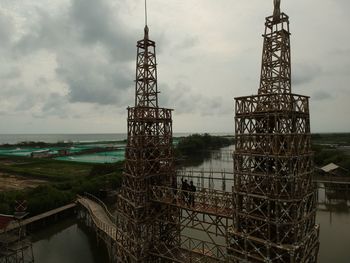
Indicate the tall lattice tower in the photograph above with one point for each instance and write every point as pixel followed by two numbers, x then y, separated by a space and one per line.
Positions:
pixel 144 225
pixel 273 194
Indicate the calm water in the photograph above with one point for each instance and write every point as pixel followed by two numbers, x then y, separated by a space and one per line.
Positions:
pixel 333 214
pixel 71 243
pixel 67 241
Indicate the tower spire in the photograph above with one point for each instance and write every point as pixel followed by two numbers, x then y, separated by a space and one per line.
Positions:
pixel 146 70
pixel 277 10
pixel 276 58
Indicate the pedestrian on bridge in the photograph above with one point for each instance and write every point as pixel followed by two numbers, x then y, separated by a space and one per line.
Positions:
pixel 192 190
pixel 185 187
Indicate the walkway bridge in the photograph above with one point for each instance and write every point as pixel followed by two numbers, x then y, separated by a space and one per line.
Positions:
pixel 203 225
pixel 96 215
pixel 209 217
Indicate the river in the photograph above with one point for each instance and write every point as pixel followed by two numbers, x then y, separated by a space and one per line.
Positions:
pixel 70 242
pixel 67 241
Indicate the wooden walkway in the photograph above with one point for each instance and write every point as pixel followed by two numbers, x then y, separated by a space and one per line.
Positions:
pixel 100 216
pixel 15 224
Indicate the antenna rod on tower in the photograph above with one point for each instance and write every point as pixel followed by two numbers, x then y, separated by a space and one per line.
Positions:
pixel 145 12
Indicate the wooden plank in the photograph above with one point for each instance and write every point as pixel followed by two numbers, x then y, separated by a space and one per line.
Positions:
pixel 39 217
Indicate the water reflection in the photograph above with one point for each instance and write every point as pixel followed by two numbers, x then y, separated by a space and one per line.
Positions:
pixel 333 212
pixel 333 215
pixel 67 241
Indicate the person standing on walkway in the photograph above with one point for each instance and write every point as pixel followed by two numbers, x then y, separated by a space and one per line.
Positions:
pixel 185 187
pixel 192 190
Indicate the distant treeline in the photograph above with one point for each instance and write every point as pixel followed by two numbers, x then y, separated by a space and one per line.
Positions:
pixel 37 144
pixel 325 154
pixel 198 144
pixel 33 144
pixel 331 138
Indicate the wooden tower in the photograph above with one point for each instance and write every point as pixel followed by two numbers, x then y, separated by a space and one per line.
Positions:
pixel 142 224
pixel 274 199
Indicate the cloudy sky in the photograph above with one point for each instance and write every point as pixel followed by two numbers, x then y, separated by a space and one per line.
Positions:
pixel 67 66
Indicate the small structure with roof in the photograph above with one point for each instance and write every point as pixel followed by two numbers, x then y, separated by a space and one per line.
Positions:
pixel 15 246
pixel 41 154
pixel 333 169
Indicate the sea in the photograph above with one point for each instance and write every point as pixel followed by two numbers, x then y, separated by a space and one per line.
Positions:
pixel 54 138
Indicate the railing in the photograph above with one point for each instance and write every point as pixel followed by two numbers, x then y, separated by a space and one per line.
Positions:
pixel 227 176
pixel 191 250
pixel 210 179
pixel 106 227
pixel 102 204
pixel 203 248
pixel 206 201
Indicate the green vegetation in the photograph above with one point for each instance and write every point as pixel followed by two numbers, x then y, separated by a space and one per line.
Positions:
pixel 327 149
pixel 340 139
pixel 44 168
pixel 199 144
pixel 325 154
pixel 66 180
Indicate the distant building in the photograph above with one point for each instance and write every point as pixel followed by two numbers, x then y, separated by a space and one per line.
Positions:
pixel 334 170
pixel 15 247
pixel 41 154
pixel 63 152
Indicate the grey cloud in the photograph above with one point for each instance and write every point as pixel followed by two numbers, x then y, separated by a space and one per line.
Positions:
pixel 305 73
pixel 87 23
pixel 6 29
pixel 185 101
pixel 97 23
pixel 340 51
pixel 26 103
pixel 46 32
pixel 88 47
pixel 55 105
pixel 93 81
pixel 321 95
pixel 188 42
pixel 15 96
pixel 92 49
pixel 12 73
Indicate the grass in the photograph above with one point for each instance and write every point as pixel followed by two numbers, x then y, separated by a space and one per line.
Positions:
pixel 45 168
pixel 65 181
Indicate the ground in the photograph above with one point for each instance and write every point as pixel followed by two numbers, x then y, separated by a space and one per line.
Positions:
pixel 10 182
